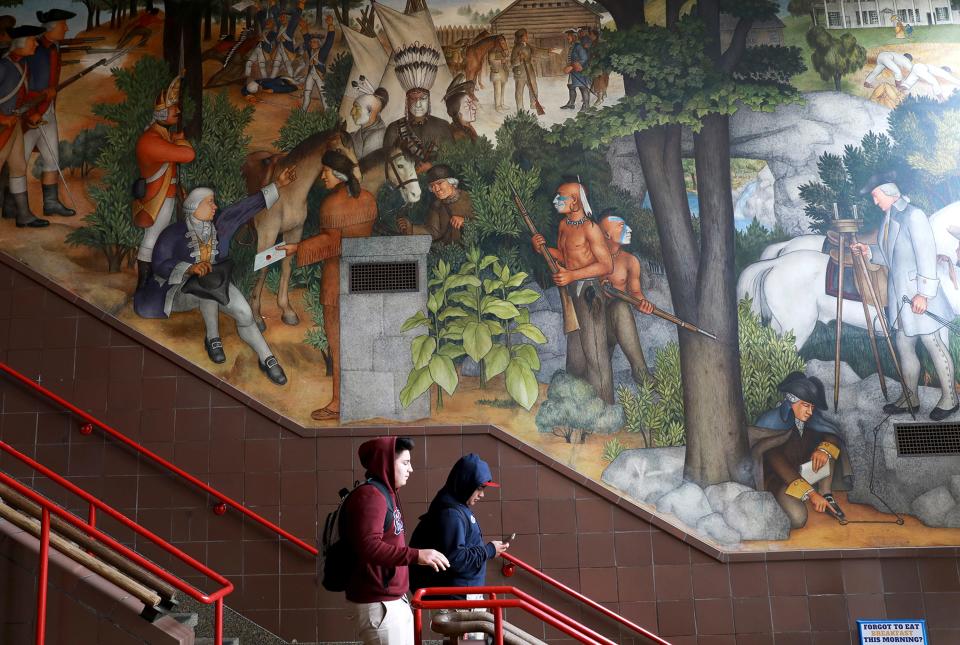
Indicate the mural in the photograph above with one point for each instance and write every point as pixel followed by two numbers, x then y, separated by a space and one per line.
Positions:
pixel 707 259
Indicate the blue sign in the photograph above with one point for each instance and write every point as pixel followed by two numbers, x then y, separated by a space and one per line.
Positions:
pixel 891 632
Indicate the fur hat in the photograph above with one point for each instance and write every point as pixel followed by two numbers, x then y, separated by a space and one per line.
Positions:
pixel 805 388
pixel 459 85
pixel 343 165
pixel 438 172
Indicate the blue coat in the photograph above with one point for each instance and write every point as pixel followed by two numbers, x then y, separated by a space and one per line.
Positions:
pixel 172 254
pixel 10 75
pixel 578 54
pixel 907 248
pixel 449 527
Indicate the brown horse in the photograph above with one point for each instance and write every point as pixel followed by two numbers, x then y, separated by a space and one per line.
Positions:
pixel 288 214
pixel 475 55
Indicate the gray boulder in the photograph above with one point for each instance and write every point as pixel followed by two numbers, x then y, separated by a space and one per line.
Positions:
pixel 823 370
pixel 646 474
pixel 713 526
pixel 720 495
pixel 931 507
pixel 687 502
pixel 955 487
pixel 952 518
pixel 756 515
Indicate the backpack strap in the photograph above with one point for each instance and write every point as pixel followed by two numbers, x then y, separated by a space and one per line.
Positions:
pixel 380 486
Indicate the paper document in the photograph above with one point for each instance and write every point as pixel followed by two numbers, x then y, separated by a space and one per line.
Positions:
pixel 268 257
pixel 807 472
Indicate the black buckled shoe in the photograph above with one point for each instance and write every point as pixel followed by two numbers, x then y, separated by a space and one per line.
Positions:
pixel 835 507
pixel 893 408
pixel 939 414
pixel 215 349
pixel 271 367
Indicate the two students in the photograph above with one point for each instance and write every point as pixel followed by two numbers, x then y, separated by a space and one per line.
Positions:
pixel 450 547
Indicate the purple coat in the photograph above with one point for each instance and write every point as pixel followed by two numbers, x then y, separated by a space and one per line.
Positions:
pixel 172 254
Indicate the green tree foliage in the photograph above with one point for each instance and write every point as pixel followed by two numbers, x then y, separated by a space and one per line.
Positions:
pixel 767 359
pixel 316 337
pixel 753 240
pixel 573 408
pixel 110 228
pixel 612 450
pixel 803 8
pixel 300 125
pixel 335 81
pixel 833 58
pixel 221 150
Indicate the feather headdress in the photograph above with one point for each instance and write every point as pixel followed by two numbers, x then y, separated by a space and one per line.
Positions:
pixel 416 66
pixel 363 86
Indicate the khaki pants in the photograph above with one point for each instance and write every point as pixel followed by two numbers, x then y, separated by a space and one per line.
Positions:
pixel 388 622
pixel 12 154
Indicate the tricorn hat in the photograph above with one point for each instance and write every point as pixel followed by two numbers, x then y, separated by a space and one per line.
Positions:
pixel 805 388
pixel 25 31
pixel 55 15
pixel 213 286
pixel 879 179
pixel 438 172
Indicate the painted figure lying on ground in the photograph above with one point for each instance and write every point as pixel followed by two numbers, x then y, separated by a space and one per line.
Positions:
pixel 785 438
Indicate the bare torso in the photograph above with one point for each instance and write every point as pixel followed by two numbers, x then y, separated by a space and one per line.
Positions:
pixel 626 272
pixel 583 246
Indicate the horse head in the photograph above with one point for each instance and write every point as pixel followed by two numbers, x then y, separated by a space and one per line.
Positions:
pixel 400 170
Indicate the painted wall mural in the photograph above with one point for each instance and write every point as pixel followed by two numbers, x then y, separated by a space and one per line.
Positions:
pixel 708 259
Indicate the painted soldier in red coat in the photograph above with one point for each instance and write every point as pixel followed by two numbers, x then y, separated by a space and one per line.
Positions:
pixel 159 152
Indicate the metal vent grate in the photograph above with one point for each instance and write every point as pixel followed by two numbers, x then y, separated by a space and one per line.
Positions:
pixel 383 277
pixel 928 438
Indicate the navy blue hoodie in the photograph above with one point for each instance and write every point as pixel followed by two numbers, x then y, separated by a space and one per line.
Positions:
pixel 449 527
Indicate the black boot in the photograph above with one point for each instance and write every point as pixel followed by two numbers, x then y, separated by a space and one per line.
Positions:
pixel 9 206
pixel 144 272
pixel 585 95
pixel 52 204
pixel 24 216
pixel 573 98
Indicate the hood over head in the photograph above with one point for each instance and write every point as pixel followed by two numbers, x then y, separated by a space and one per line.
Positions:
pixel 467 475
pixel 378 457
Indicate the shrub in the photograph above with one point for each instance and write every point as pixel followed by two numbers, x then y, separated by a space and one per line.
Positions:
pixel 109 228
pixel 573 407
pixel 300 125
pixel 335 81
pixel 221 150
pixel 750 243
pixel 612 449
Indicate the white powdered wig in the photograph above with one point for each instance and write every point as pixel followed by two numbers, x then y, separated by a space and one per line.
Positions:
pixel 193 200
pixel 889 189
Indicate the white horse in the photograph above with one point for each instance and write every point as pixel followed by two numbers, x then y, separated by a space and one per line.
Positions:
pixel 787 286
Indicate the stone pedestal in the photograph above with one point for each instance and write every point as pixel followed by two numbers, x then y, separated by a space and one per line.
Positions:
pixel 374 356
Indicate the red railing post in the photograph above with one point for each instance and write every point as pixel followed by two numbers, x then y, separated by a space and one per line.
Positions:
pixel 498 625
pixel 42 574
pixel 218 622
pixel 418 626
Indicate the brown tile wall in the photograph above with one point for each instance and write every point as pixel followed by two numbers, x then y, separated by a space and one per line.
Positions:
pixel 573 529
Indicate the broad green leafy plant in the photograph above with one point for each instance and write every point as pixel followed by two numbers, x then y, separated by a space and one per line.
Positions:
pixel 478 311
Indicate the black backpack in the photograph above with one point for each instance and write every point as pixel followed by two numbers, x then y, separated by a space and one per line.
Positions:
pixel 336 557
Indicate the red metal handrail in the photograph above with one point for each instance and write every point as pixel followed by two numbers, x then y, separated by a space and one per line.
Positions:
pixel 47 506
pixel 223 500
pixel 523 601
pixel 512 562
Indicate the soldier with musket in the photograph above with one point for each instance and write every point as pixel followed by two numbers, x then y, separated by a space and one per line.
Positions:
pixel 159 152
pixel 13 93
pixel 40 122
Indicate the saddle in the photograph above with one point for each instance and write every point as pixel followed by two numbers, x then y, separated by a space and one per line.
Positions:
pixel 876 273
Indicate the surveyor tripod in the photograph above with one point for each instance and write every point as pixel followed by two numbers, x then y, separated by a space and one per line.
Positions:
pixel 846 230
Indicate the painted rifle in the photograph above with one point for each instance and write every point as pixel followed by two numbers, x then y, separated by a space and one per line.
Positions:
pixel 570 322
pixel 659 313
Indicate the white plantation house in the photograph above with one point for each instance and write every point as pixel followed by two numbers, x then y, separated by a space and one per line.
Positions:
pixel 842 14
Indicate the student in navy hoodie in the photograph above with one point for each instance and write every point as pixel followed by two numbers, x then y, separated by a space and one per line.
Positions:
pixel 451 528
pixel 379 581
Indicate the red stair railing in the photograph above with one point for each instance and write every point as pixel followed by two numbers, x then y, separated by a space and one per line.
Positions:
pixel 90 529
pixel 223 501
pixel 509 569
pixel 522 600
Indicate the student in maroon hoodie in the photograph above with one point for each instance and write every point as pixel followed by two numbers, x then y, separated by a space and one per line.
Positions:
pixel 380 577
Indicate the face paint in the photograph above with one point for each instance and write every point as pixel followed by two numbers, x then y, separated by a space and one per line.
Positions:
pixel 625 235
pixel 559 202
pixel 419 107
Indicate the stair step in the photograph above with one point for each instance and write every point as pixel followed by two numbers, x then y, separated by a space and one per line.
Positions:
pixel 190 619
pixel 227 640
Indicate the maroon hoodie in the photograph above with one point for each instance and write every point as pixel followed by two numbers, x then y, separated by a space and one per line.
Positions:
pixel 380 572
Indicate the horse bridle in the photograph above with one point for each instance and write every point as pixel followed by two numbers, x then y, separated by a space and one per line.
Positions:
pixel 396 173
